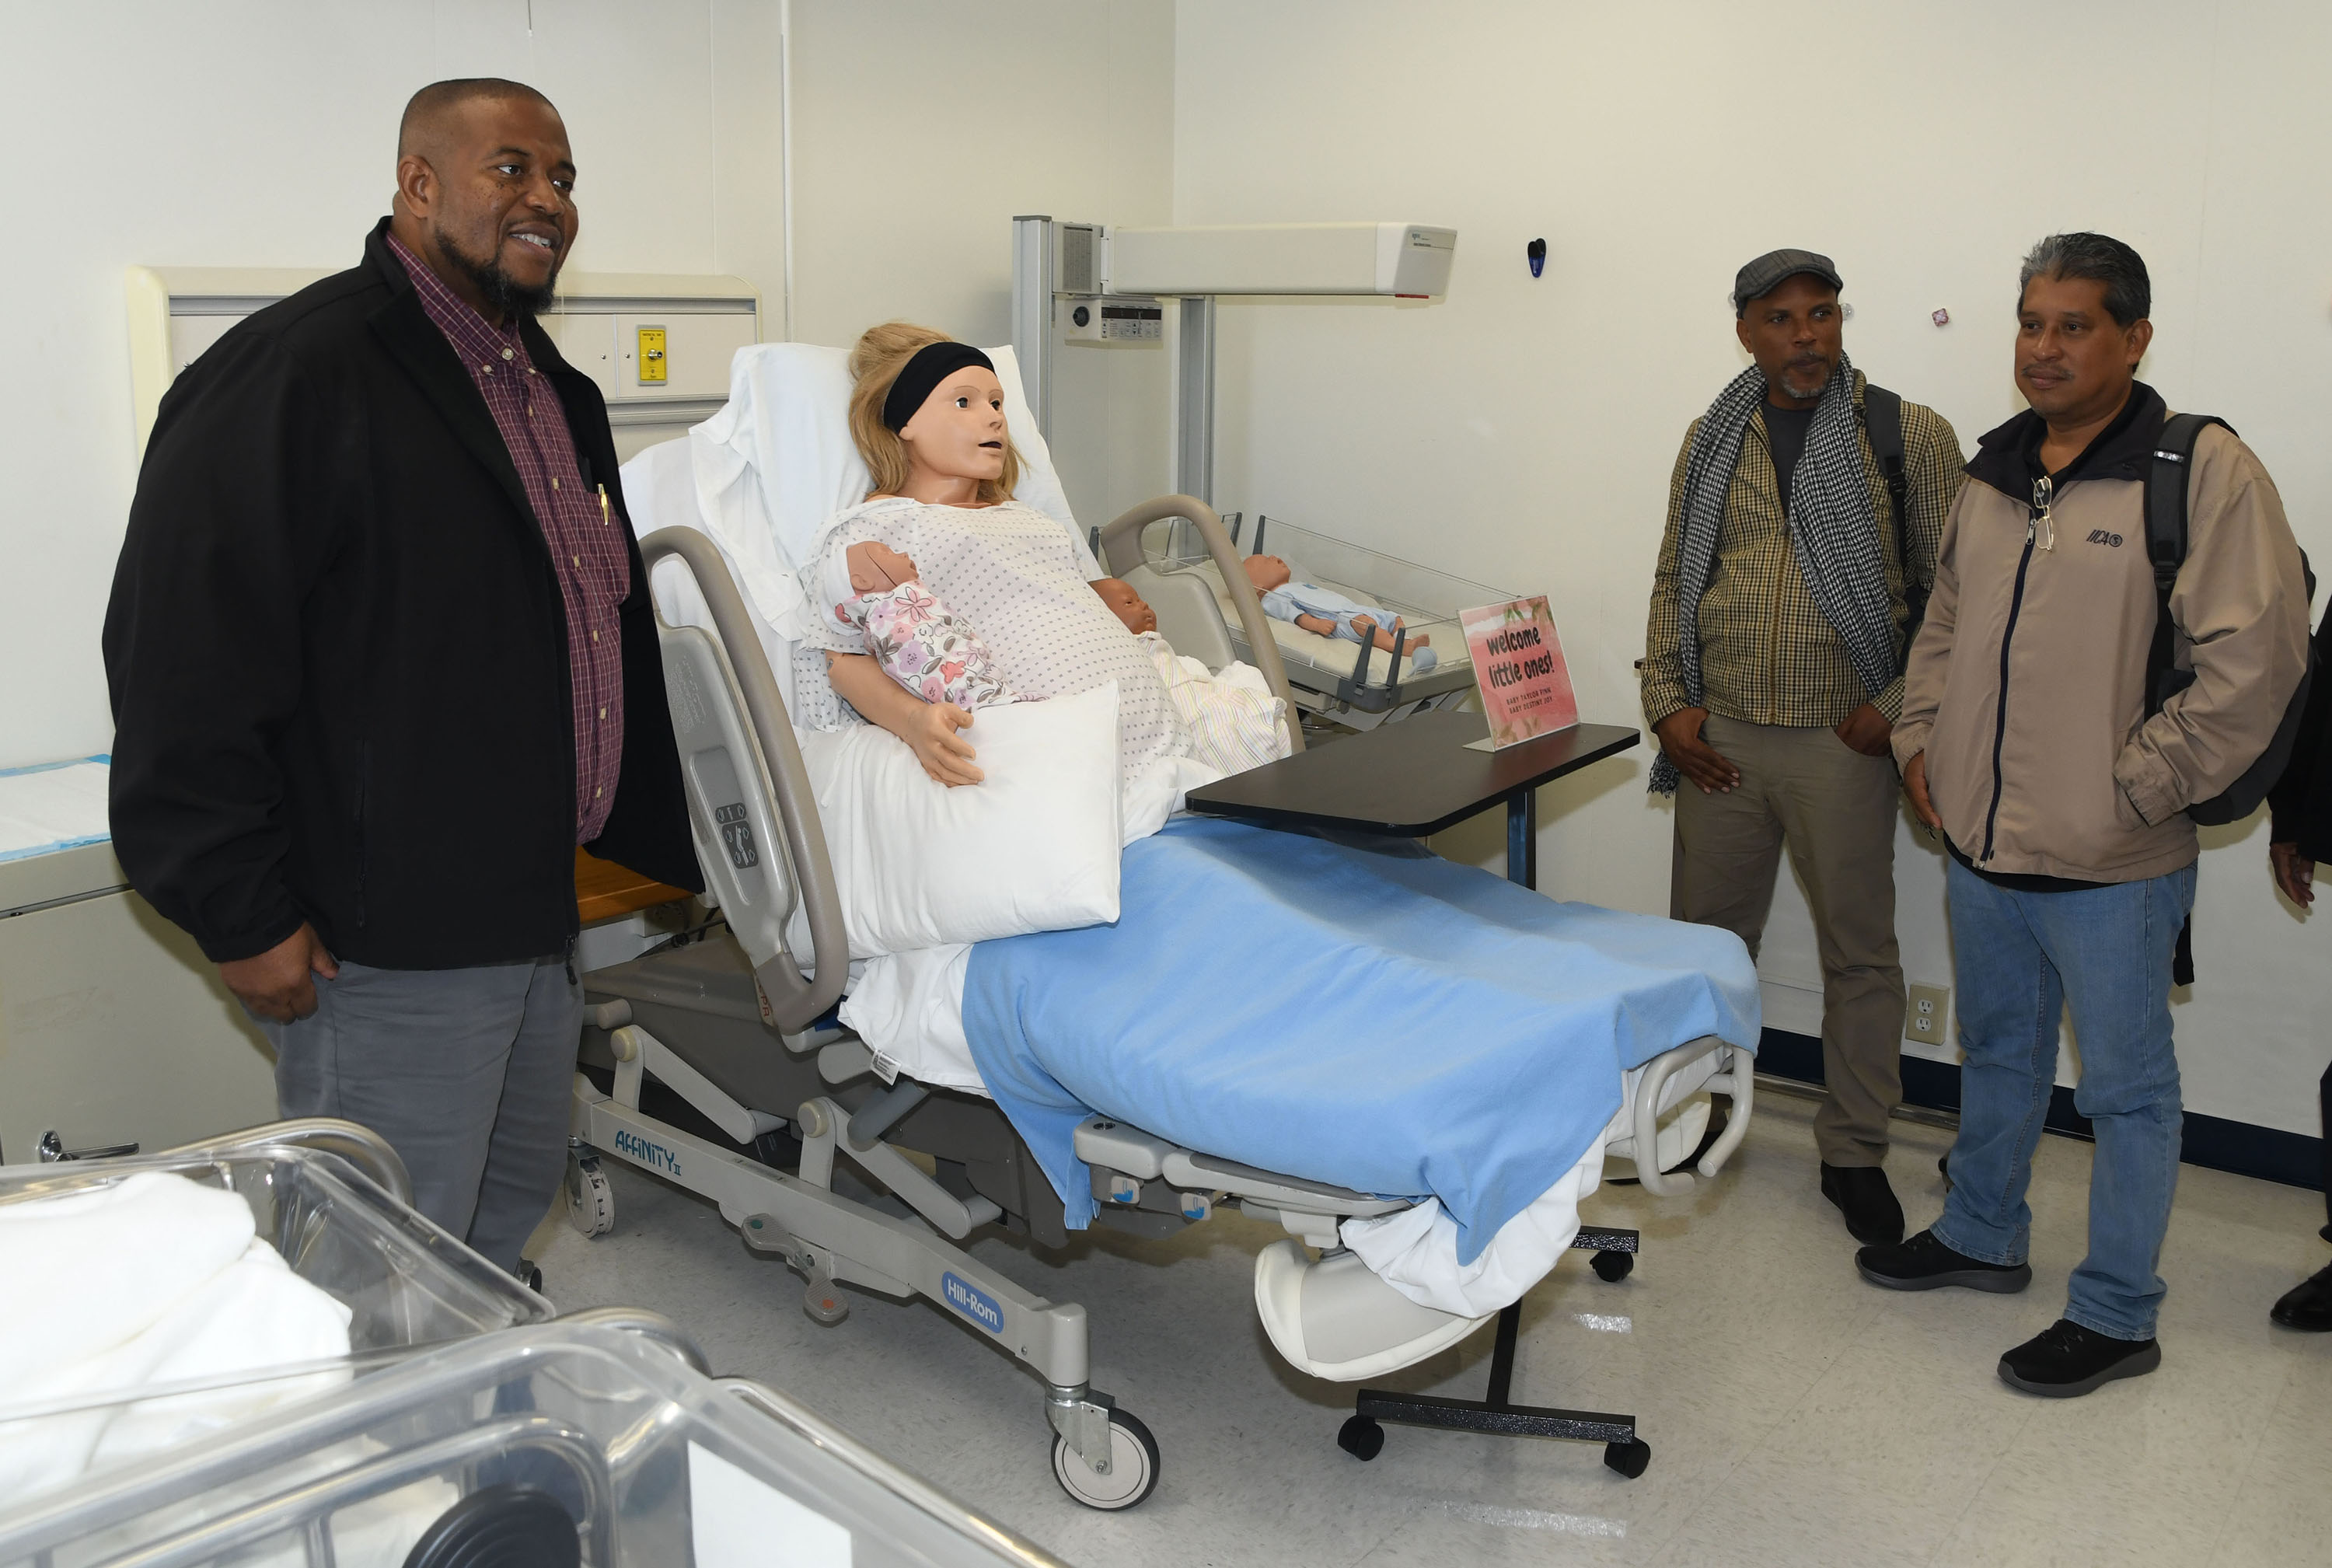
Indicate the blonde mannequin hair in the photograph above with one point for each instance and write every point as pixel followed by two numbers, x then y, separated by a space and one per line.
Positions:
pixel 880 354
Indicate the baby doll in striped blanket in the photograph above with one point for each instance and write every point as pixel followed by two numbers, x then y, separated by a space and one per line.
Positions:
pixel 918 641
pixel 1234 721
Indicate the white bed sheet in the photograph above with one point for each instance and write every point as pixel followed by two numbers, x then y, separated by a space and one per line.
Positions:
pixel 909 1009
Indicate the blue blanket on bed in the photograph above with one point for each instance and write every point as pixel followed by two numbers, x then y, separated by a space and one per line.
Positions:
pixel 1394 1023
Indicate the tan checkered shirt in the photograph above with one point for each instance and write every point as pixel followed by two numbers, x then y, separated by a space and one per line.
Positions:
pixel 1768 655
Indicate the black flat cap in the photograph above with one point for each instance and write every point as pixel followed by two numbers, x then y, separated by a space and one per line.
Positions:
pixel 1770 271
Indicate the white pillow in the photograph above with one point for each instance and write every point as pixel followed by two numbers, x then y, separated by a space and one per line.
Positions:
pixel 1033 847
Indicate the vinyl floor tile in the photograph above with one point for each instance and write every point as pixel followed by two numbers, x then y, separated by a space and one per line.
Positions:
pixel 1795 1414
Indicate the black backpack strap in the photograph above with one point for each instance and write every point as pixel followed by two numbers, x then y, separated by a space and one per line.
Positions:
pixel 2168 476
pixel 1882 418
pixel 1882 422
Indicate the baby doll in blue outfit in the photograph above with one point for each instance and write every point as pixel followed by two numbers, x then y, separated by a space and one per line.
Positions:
pixel 1331 614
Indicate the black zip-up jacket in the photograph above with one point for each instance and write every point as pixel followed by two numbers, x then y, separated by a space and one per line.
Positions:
pixel 338 651
pixel 2300 806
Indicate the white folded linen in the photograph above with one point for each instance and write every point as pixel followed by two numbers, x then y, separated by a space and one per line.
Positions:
pixel 149 1282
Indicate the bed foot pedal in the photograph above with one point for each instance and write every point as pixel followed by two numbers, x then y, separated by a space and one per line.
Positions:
pixel 821 1298
pixel 1362 1435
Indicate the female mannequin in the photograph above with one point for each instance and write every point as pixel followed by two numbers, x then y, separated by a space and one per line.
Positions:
pixel 928 416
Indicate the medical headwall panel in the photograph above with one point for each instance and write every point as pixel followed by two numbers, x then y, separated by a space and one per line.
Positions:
pixel 658 345
pixel 1080 286
pixel 1348 259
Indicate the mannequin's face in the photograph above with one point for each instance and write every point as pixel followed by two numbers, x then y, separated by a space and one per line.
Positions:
pixel 1266 572
pixel 959 432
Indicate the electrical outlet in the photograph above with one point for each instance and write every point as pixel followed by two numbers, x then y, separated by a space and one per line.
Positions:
pixel 1929 1009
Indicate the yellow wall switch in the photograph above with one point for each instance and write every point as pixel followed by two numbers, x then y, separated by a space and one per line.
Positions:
pixel 652 360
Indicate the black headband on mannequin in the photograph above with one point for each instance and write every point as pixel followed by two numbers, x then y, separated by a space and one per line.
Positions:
pixel 933 364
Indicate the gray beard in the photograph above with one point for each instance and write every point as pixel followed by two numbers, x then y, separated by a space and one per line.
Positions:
pixel 1781 384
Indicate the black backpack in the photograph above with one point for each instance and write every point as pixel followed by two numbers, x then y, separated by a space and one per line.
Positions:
pixel 1882 422
pixel 2167 482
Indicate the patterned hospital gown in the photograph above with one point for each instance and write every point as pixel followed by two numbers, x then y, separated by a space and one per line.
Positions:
pixel 1014 573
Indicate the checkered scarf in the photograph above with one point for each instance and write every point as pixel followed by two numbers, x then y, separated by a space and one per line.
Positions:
pixel 1833 531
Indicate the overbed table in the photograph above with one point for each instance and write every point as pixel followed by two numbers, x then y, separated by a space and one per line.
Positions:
pixel 1408 779
pixel 1415 776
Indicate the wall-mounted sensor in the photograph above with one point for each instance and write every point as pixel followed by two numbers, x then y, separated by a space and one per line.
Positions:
pixel 1941 317
pixel 1537 251
pixel 1845 312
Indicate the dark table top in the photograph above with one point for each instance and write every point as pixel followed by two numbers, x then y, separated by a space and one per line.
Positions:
pixel 1405 779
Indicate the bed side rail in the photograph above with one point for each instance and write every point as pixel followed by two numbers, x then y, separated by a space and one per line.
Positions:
pixel 748 797
pixel 1121 552
pixel 1736 1077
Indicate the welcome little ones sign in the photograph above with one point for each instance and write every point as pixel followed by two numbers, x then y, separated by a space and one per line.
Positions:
pixel 1518 665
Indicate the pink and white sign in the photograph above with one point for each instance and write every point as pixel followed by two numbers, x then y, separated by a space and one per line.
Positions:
pixel 1518 665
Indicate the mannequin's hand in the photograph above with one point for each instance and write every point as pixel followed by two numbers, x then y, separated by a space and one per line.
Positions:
pixel 1914 784
pixel 945 755
pixel 1865 731
pixel 1702 764
pixel 2295 875
pixel 278 984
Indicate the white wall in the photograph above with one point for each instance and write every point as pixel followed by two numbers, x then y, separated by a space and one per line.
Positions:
pixel 1522 433
pixel 263 133
pixel 923 126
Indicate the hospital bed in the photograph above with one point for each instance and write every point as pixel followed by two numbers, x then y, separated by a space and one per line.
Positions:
pixel 1356 687
pixel 742 1028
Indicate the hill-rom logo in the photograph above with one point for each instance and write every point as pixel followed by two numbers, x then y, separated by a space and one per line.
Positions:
pixel 973 1303
pixel 654 1156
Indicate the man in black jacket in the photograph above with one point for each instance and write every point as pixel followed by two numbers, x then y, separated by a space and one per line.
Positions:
pixel 2299 834
pixel 381 655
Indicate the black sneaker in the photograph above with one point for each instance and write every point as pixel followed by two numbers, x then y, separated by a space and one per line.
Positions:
pixel 1863 1196
pixel 2308 1305
pixel 2065 1360
pixel 1924 1262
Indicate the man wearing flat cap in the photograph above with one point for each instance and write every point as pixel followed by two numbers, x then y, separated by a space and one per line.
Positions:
pixel 1803 515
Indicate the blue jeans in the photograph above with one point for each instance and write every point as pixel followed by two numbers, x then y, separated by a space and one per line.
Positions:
pixel 2022 957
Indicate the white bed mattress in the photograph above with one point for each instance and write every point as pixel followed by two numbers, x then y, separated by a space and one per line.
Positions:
pixel 909 1009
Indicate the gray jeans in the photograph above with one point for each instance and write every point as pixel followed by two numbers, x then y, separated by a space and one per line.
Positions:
pixel 468 1074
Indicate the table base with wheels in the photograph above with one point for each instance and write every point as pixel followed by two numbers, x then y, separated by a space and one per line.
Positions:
pixel 1362 1435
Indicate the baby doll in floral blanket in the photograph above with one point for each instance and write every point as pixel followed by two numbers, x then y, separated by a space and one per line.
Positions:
pixel 918 641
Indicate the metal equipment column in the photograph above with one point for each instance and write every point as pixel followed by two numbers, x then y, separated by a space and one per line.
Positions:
pixel 1194 393
pixel 1032 313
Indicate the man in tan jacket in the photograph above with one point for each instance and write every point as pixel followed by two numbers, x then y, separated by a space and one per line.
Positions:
pixel 2026 738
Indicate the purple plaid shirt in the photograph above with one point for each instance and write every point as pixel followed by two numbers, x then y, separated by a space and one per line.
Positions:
pixel 586 545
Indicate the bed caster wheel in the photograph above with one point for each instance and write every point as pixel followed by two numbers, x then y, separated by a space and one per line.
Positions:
pixel 590 1196
pixel 1361 1437
pixel 1133 1467
pixel 1629 1458
pixel 1612 1267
